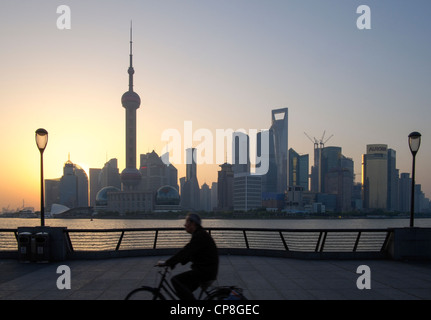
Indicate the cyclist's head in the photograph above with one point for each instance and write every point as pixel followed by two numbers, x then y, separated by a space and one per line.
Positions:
pixel 194 217
pixel 193 221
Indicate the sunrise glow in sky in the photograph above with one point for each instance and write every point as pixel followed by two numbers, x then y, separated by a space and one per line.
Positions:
pixel 219 64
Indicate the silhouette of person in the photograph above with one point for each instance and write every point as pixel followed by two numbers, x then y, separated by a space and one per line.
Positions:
pixel 202 252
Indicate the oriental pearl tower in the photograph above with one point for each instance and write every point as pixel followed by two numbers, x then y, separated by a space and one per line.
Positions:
pixel 130 176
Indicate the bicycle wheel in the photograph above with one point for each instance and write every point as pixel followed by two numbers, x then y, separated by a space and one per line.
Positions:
pixel 219 294
pixel 226 293
pixel 144 293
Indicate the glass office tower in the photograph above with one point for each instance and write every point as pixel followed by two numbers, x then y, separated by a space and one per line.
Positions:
pixel 279 132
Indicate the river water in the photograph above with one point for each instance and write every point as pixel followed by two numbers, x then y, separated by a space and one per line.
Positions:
pixel 351 223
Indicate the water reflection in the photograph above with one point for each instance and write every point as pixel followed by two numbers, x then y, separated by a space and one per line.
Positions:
pixel 233 223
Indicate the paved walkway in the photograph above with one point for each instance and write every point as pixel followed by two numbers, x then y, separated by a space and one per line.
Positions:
pixel 261 278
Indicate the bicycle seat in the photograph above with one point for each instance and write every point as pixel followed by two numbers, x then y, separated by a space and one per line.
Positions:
pixel 206 284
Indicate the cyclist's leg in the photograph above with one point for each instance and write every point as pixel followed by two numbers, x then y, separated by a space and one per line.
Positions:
pixel 185 283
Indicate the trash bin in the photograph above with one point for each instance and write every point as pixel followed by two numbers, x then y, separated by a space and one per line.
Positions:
pixel 41 247
pixel 24 246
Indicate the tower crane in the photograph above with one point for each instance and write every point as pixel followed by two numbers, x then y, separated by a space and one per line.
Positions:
pixel 319 143
pixel 315 142
pixel 318 146
pixel 322 143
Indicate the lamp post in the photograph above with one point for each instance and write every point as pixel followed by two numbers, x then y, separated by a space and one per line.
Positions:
pixel 414 144
pixel 41 142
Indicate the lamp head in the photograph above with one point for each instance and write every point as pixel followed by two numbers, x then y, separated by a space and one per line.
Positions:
pixel 414 142
pixel 41 139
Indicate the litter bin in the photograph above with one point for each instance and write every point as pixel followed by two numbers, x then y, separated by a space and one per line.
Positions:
pixel 24 246
pixel 41 247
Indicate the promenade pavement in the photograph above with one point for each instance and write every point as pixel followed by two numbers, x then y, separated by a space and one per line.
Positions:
pixel 262 278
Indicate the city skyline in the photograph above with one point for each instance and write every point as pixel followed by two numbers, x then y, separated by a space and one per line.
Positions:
pixel 221 65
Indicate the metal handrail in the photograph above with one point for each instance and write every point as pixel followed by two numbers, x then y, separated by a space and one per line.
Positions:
pixel 248 237
pixel 253 241
pixel 8 239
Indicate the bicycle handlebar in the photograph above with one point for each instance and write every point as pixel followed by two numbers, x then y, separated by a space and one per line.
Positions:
pixel 161 264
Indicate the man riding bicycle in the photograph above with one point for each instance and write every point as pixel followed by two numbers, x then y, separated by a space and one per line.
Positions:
pixel 202 252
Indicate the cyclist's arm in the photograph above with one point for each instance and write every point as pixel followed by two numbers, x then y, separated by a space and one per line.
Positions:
pixel 185 254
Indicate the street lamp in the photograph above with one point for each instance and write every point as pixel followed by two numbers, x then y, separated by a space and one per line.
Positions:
pixel 41 142
pixel 414 144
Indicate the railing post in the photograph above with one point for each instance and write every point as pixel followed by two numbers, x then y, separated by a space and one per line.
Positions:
pixel 119 241
pixel 284 241
pixel 323 241
pixel 385 243
pixel 245 238
pixel 155 239
pixel 68 241
pixel 357 241
pixel 318 242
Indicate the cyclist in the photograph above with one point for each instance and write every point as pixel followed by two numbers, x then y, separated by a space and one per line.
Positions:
pixel 202 252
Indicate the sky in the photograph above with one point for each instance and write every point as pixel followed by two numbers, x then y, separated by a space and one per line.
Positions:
pixel 221 64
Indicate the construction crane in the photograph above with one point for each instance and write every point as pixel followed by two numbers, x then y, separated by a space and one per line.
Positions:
pixel 316 143
pixel 322 143
pixel 319 143
pixel 318 146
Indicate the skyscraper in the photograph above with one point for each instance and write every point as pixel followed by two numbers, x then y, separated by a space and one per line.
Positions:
pixel 405 185
pixel 298 169
pixel 240 153
pixel 214 194
pixel 269 176
pixel 156 173
pixel 190 196
pixel 191 172
pixel 393 180
pixel 107 176
pixel 73 186
pixel 205 198
pixel 375 176
pixel 279 132
pixel 329 159
pixel 247 192
pixel 94 184
pixel 130 176
pixel 339 181
pixel 225 188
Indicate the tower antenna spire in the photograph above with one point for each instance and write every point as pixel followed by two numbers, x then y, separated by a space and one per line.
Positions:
pixel 130 100
pixel 131 71
pixel 131 36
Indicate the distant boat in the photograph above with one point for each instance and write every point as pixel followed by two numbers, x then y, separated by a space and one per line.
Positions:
pixel 26 211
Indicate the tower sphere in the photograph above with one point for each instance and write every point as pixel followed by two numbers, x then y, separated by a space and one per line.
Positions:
pixel 130 100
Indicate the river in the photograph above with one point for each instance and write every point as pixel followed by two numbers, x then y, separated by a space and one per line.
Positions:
pixel 347 223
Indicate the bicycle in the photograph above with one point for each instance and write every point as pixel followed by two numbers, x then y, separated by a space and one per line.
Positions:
pixel 165 291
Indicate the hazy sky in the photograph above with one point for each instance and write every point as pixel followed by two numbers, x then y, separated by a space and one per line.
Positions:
pixel 220 64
